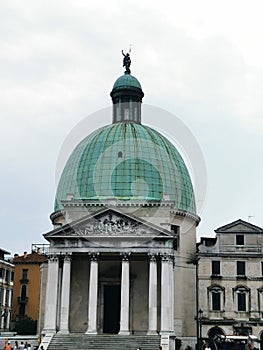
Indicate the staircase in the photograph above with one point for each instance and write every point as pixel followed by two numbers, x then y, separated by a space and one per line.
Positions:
pixel 104 341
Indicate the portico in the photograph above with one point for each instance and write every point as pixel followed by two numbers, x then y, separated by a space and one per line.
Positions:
pixel 137 275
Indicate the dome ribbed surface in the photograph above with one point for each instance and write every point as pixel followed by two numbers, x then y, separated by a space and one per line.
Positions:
pixel 126 81
pixel 126 161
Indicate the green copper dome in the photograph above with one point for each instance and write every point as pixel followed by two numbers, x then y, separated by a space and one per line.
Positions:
pixel 126 80
pixel 127 161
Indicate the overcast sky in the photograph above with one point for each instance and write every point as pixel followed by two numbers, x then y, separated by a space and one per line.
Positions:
pixel 202 61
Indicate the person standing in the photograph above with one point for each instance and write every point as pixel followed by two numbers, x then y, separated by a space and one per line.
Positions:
pixel 21 346
pixel 8 346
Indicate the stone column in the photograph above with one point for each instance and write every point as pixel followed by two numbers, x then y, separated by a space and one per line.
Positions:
pixel 65 294
pixel 51 295
pixel 172 292
pixel 152 327
pixel 9 308
pixel 93 295
pixel 4 308
pixel 166 297
pixel 4 296
pixel 125 295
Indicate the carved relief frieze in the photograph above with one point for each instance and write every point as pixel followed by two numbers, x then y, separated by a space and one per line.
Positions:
pixel 110 224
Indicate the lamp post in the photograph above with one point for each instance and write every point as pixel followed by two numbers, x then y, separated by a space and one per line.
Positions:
pixel 200 317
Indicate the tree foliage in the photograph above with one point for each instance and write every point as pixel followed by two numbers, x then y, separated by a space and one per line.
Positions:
pixel 26 326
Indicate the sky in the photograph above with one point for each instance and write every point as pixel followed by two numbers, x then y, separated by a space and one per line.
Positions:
pixel 201 61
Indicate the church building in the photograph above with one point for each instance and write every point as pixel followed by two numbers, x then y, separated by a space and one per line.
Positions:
pixel 124 235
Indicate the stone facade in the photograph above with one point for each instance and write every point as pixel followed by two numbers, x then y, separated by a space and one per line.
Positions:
pixel 230 272
pixel 114 271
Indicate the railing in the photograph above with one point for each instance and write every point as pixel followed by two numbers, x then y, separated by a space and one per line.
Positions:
pixel 22 300
pixel 40 248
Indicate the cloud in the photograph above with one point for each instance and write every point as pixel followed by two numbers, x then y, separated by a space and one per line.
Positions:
pixel 201 61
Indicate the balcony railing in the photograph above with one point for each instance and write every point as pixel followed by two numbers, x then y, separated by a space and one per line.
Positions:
pixel 22 300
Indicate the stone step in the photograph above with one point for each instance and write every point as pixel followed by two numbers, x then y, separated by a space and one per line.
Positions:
pixel 103 341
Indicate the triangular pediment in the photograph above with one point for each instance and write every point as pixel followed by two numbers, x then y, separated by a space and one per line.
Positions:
pixel 239 226
pixel 108 223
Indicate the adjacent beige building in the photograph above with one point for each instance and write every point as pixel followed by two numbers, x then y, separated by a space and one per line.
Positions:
pixel 27 283
pixel 230 281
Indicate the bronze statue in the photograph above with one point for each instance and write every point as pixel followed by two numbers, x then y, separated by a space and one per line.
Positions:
pixel 126 62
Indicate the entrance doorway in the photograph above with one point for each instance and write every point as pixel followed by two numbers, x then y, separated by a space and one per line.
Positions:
pixel 111 312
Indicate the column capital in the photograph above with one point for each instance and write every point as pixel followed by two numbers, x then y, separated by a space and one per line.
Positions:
pixel 167 258
pixel 94 256
pixel 53 258
pixel 67 257
pixel 152 257
pixel 125 256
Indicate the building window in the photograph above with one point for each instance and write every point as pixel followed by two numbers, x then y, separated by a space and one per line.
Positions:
pixel 23 293
pixel 24 274
pixel 216 298
pixel 260 298
pixel 215 267
pixel 242 295
pixel 23 300
pixel 126 114
pixel 216 305
pixel 240 240
pixel 241 302
pixel 7 297
pixel 241 268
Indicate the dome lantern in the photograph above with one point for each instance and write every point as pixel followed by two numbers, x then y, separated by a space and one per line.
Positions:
pixel 127 96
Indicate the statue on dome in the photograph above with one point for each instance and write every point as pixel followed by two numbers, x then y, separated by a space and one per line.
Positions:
pixel 126 62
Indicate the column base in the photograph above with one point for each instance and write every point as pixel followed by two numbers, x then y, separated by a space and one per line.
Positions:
pixel 152 333
pixel 91 332
pixel 48 332
pixel 63 331
pixel 124 333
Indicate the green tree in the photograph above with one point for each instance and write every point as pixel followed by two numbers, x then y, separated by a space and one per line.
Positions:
pixel 26 326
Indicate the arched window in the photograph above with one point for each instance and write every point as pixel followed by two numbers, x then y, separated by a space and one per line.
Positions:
pixel 216 298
